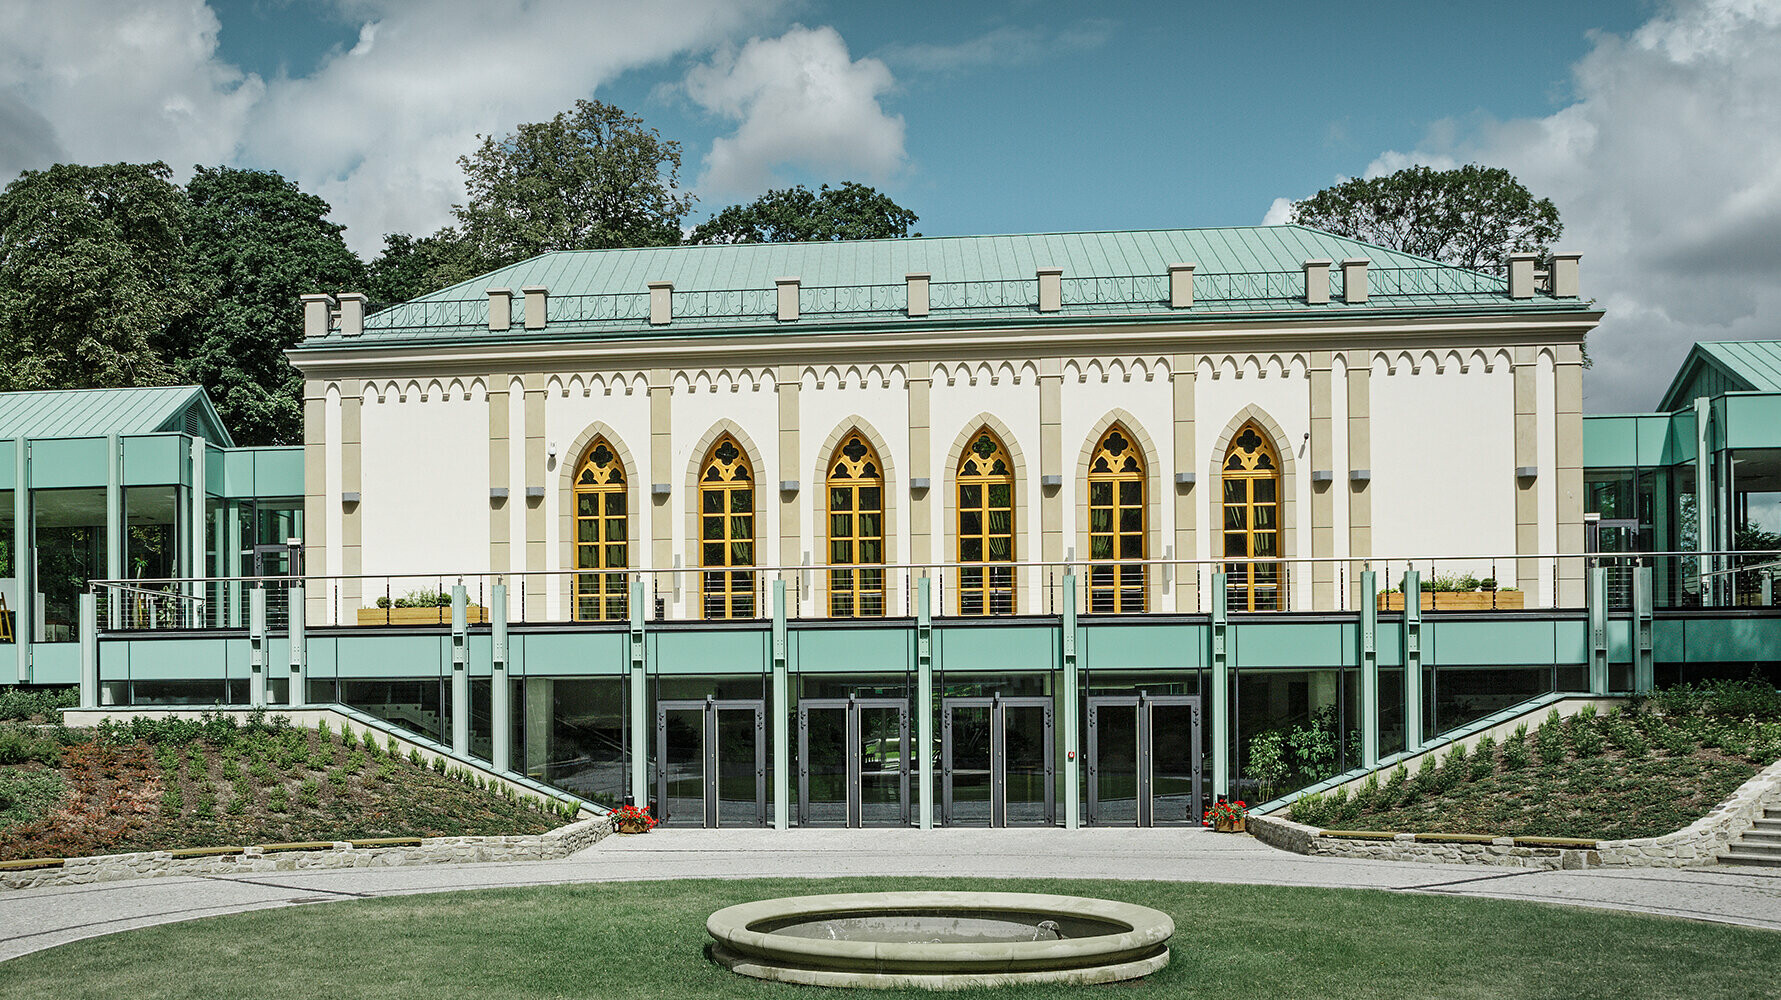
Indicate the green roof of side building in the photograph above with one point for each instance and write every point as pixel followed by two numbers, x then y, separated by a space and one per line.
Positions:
pixel 74 413
pixel 1730 365
pixel 1247 270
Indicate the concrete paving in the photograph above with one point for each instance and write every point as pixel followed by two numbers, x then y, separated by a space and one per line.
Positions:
pixel 33 919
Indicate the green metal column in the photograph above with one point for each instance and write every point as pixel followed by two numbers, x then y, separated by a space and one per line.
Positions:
pixel 460 671
pixel 1071 697
pixel 1706 534
pixel 1644 663
pixel 500 688
pixel 1597 597
pixel 89 650
pixel 640 722
pixel 193 558
pixel 924 702
pixel 782 797
pixel 114 518
pixel 1369 670
pixel 256 647
pixel 1220 709
pixel 299 647
pixel 24 617
pixel 1412 660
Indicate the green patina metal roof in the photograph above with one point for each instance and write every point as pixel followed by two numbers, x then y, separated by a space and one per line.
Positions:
pixel 71 413
pixel 1739 366
pixel 1246 270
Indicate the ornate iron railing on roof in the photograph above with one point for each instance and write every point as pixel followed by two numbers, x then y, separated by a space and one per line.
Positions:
pixel 729 303
pixel 606 308
pixel 1008 293
pixel 1124 289
pixel 823 300
pixel 1386 281
pixel 430 313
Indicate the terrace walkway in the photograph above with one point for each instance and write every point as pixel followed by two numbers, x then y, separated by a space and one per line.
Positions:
pixel 34 919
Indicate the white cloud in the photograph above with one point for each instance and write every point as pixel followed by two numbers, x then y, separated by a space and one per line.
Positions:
pixel 376 129
pixel 1003 46
pixel 801 100
pixel 1667 172
pixel 1279 213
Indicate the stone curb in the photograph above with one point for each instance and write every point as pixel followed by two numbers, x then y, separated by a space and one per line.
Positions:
pixel 1699 843
pixel 558 843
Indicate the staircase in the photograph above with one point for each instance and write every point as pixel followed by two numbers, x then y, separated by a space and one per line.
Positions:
pixel 1760 845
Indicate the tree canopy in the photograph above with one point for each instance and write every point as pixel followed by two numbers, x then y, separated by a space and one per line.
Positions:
pixel 588 179
pixel 91 272
pixel 796 214
pixel 1472 216
pixel 255 243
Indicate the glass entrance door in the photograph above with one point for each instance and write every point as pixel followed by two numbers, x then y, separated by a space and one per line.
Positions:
pixel 711 763
pixel 997 762
pixel 1143 760
pixel 853 762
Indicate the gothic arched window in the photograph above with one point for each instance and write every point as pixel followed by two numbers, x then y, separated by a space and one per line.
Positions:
pixel 1116 524
pixel 986 526
pixel 1251 525
pixel 726 531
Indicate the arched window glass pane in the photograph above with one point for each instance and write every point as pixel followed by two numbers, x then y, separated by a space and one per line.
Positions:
pixel 1117 524
pixel 986 526
pixel 856 529
pixel 1252 522
pixel 726 532
pixel 601 512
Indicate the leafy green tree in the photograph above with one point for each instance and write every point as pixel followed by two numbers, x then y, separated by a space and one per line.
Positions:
pixel 1472 216
pixel 796 214
pixel 91 271
pixel 413 266
pixel 588 179
pixel 255 243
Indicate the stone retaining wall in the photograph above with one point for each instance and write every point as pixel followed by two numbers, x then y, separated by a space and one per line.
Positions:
pixel 558 843
pixel 1699 843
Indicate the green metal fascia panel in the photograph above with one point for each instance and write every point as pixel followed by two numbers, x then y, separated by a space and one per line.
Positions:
pixel 1620 640
pixel 852 650
pixel 55 663
pixel 392 656
pixel 569 654
pixel 978 648
pixel 481 649
pixel 727 651
pixel 1506 643
pixel 1389 643
pixel 63 463
pixel 1710 640
pixel 1570 642
pixel 278 472
pixel 323 656
pixel 169 659
pixel 1291 644
pixel 7 473
pixel 1669 639
pixel 1753 420
pixel 238 474
pixel 1172 645
pixel 216 464
pixel 156 460
pixel 114 660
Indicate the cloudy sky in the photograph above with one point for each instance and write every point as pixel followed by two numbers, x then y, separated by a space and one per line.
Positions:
pixel 1655 126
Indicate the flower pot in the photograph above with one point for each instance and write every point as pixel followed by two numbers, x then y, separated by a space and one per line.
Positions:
pixel 1238 825
pixel 632 826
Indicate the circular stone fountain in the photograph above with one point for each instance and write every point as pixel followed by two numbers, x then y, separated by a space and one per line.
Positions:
pixel 940 940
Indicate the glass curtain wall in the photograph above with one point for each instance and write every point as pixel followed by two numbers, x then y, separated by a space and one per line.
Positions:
pixel 68 539
pixel 575 734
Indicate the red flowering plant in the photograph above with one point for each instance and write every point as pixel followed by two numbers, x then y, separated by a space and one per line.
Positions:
pixel 629 818
pixel 1225 813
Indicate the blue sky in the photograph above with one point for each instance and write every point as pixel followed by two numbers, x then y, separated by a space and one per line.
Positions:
pixel 1655 125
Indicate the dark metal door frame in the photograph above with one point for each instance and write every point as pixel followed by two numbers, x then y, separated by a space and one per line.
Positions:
pixel 710 706
pixel 851 707
pixel 998 754
pixel 1141 703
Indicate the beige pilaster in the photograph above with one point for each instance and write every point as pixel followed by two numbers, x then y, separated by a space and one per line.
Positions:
pixel 1323 501
pixel 1568 386
pixel 534 459
pixel 1527 456
pixel 921 466
pixel 787 384
pixel 1360 461
pixel 1187 578
pixel 1051 467
pixel 352 561
pixel 315 496
pixel 500 472
pixel 661 473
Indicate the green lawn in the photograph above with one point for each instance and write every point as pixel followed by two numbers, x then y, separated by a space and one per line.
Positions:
pixel 648 939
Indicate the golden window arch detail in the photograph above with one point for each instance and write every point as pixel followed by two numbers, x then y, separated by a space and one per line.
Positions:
pixel 726 531
pixel 602 534
pixel 1251 522
pixel 1117 524
pixel 986 524
pixel 856 529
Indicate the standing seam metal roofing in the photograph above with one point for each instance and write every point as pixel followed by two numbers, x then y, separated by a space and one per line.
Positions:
pixel 1755 362
pixel 70 413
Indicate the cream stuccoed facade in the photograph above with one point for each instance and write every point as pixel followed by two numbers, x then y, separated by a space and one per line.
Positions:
pixel 1413 411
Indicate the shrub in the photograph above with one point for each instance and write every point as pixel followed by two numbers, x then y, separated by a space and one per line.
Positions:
pixel 394 748
pixel 1267 762
pixel 1582 733
pixel 1549 740
pixel 1454 768
pixel 347 739
pixel 414 757
pixel 238 804
pixel 310 792
pixel 1310 810
pixel 1753 698
pixel 1484 758
pixel 231 769
pixel 324 733
pixel 206 806
pixel 19 745
pixel 22 704
pixel 27 795
pixel 278 800
pixel 439 765
pixel 172 802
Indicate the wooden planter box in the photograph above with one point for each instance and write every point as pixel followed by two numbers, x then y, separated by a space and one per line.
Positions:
pixel 1457 600
pixel 474 614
